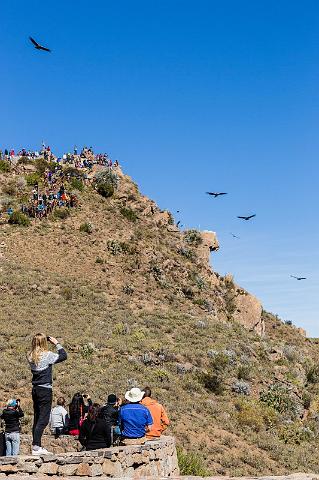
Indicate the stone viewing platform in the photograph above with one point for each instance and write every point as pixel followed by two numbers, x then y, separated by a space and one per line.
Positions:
pixel 153 459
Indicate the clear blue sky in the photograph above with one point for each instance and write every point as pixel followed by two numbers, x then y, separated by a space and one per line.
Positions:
pixel 190 96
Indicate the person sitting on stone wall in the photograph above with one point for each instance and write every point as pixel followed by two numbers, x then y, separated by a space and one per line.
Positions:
pixel 78 410
pixel 110 413
pixel 135 419
pixel 59 418
pixel 159 415
pixel 94 432
pixel 11 416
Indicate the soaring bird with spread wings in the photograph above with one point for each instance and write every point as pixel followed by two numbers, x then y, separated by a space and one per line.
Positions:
pixel 216 194
pixel 247 218
pixel 298 278
pixel 38 46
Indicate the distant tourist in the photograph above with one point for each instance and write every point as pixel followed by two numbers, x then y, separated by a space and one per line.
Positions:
pixel 59 418
pixel 160 418
pixel 78 410
pixel 11 416
pixel 41 361
pixel 135 418
pixel 94 432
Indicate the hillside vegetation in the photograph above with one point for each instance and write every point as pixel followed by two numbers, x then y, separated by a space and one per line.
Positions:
pixel 135 303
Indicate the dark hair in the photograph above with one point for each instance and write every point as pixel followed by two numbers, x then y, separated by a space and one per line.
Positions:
pixel 147 392
pixel 61 401
pixel 76 404
pixel 94 412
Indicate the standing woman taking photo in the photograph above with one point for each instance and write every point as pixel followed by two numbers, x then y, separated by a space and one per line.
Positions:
pixel 41 360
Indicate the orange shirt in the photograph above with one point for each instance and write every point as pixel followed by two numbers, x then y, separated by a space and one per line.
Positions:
pixel 160 418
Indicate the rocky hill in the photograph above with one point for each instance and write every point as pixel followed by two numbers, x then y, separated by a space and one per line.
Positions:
pixel 135 301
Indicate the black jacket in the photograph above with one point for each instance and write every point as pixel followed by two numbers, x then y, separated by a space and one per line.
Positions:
pixel 11 417
pixel 95 435
pixel 110 414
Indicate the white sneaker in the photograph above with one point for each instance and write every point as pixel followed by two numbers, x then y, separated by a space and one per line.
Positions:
pixel 41 451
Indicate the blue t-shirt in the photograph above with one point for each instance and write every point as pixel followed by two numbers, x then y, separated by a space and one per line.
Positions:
pixel 134 417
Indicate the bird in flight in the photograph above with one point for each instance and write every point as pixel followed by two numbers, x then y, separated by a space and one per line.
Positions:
pixel 178 223
pixel 247 218
pixel 216 194
pixel 298 278
pixel 38 46
pixel 233 235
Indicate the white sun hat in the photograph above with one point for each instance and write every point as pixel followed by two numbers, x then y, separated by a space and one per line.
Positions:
pixel 134 395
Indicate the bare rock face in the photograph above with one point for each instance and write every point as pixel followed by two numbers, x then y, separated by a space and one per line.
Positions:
pixel 208 245
pixel 248 312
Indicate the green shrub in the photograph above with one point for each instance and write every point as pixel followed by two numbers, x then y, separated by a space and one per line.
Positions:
pixel 4 166
pixel 33 178
pixel 19 218
pixel 86 227
pixel 99 260
pixel 255 415
pixel 193 237
pixel 187 253
pixel 77 184
pixel 213 382
pixel 191 464
pixel 61 213
pixel 295 433
pixel 244 372
pixel 280 398
pixel 41 165
pixel 312 374
pixel 24 161
pixel 116 248
pixel 106 182
pixel 129 214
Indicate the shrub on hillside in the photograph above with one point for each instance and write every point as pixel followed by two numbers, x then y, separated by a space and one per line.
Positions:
pixel 41 165
pixel 193 237
pixel 77 184
pixel 244 372
pixel 19 218
pixel 106 182
pixel 61 213
pixel 187 253
pixel 33 178
pixel 241 387
pixel 86 227
pixel 296 433
pixel 255 415
pixel 10 188
pixel 116 247
pixel 191 464
pixel 24 161
pixel 280 398
pixel 312 373
pixel 129 214
pixel 4 166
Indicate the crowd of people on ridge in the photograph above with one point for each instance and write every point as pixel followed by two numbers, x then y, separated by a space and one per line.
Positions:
pixel 136 419
pixel 53 192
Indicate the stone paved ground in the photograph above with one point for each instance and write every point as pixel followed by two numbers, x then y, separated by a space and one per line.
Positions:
pixel 294 476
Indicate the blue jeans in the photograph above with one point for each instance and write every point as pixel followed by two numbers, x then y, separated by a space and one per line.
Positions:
pixel 12 443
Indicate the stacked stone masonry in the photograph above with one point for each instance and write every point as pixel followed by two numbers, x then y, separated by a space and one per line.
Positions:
pixel 153 459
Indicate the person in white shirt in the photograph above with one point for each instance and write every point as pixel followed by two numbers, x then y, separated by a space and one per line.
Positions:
pixel 59 418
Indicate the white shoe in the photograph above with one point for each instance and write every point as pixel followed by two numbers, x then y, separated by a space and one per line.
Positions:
pixel 41 451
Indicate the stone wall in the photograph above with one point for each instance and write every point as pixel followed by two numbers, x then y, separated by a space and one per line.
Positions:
pixel 153 459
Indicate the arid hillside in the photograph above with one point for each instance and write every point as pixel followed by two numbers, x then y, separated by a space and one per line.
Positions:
pixel 135 302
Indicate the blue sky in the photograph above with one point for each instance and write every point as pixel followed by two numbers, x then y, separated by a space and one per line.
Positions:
pixel 189 96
